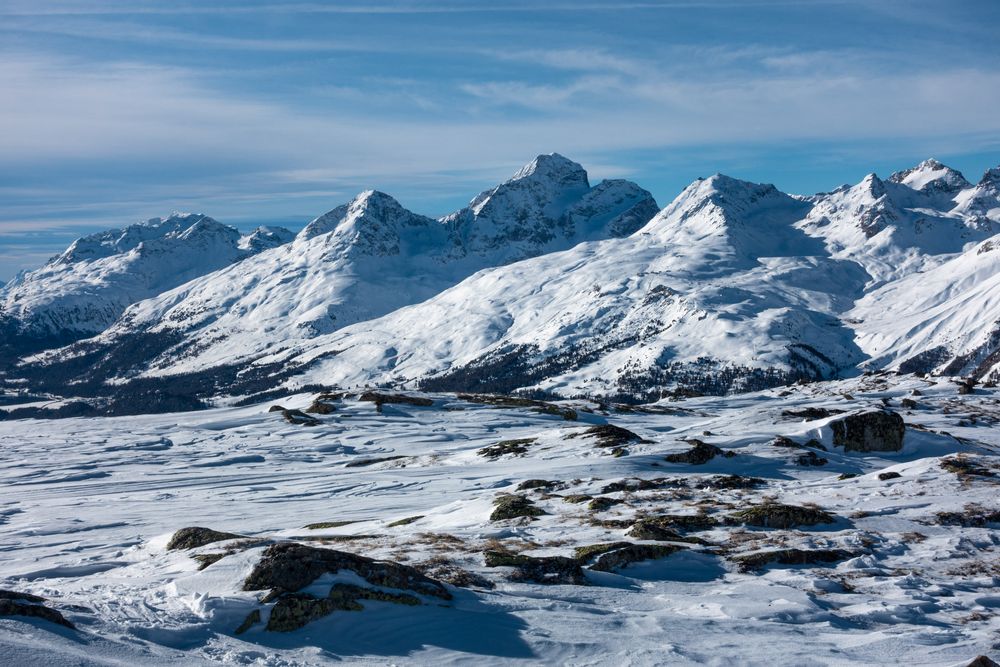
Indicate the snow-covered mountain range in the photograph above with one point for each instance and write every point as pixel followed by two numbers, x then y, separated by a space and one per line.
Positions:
pixel 548 285
pixel 82 291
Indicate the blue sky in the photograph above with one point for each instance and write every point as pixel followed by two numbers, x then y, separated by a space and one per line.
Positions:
pixel 265 112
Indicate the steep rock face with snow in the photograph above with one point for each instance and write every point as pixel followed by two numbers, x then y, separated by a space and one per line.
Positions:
pixel 86 288
pixel 930 176
pixel 548 205
pixel 902 225
pixel 371 256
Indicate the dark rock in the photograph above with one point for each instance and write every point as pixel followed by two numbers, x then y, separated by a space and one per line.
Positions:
pixel 252 619
pixel 983 661
pixel 515 447
pixel 811 459
pixel 405 522
pixel 966 385
pixel 456 576
pixel 776 515
pixel 663 527
pixel 361 463
pixel 512 507
pixel 379 399
pixel 972 516
pixel 295 610
pixel 908 403
pixel 539 570
pixel 869 431
pixel 633 553
pixel 276 408
pixel 328 524
pixel 197 536
pixel 502 401
pixel 782 441
pixel 810 414
pixel 732 482
pixel 884 476
pixel 847 475
pixel 603 503
pixel 291 567
pixel 320 408
pixel 756 561
pixel 963 467
pixel 299 418
pixel 587 553
pixel 22 597
pixel 529 484
pixel 637 484
pixel 609 435
pixel 207 559
pixel 699 454
pixel 22 607
pixel 815 444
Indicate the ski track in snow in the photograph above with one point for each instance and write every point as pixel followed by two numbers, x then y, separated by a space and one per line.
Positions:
pixel 90 503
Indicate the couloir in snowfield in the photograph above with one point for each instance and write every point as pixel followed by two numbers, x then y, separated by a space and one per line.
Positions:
pixel 794 526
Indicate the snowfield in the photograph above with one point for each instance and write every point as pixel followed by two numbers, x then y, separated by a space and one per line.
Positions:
pixel 889 557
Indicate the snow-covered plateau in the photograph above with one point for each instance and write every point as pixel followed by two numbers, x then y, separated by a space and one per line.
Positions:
pixel 848 522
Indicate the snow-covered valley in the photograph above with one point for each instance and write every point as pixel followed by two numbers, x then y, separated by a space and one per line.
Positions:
pixel 547 536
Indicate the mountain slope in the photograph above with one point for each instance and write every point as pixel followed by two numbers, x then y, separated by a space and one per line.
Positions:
pixel 369 257
pixel 945 320
pixel 719 292
pixel 546 285
pixel 86 288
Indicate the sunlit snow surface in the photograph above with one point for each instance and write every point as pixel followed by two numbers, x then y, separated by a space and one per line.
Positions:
pixel 89 504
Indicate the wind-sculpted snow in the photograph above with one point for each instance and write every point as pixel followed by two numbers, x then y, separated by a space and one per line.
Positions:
pixel 707 529
pixel 85 289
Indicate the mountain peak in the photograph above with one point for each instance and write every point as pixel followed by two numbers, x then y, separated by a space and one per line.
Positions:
pixel 555 168
pixel 354 209
pixel 724 192
pixel 991 177
pixel 734 221
pixel 931 176
pixel 369 224
pixel 202 226
pixel 873 184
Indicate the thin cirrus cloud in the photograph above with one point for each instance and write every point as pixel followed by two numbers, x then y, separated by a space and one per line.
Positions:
pixel 58 109
pixel 114 111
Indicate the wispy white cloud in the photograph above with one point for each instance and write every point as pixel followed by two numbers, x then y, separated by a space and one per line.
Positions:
pixel 56 109
pixel 76 7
